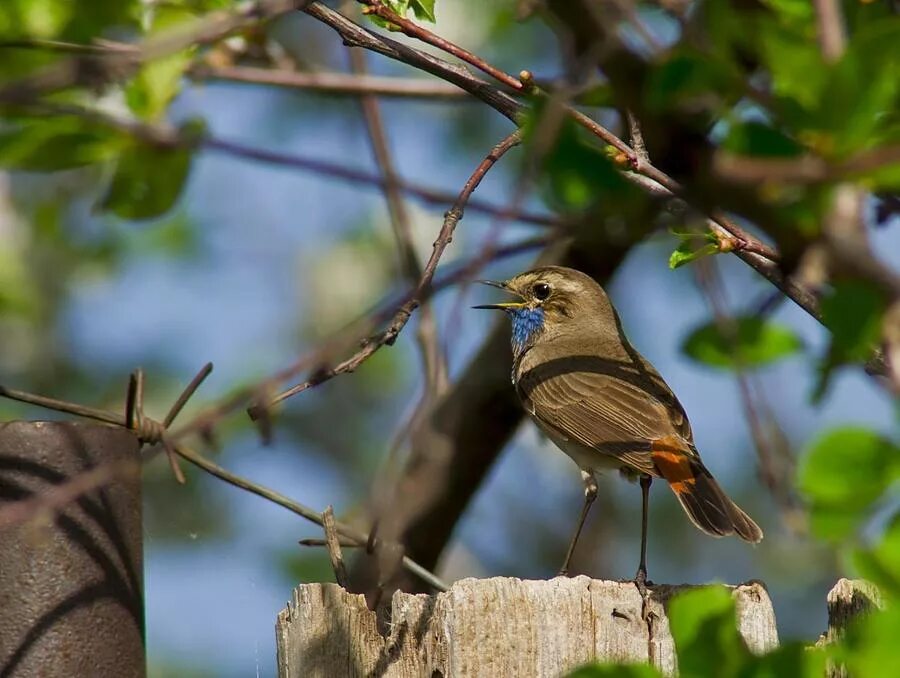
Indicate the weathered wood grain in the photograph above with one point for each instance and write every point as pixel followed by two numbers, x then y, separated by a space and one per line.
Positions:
pixel 493 628
pixel 847 600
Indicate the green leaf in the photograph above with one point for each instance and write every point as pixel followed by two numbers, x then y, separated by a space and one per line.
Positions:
pixel 853 313
pixel 797 13
pixel 423 10
pixel 576 174
pixel 705 632
pixel 693 246
pixel 761 140
pixel 863 86
pixel 842 475
pixel 796 660
pixel 615 671
pixel 147 181
pixel 39 18
pixel 871 647
pixel 158 82
pixel 880 563
pixel 748 341
pixel 302 566
pixel 792 56
pixel 685 253
pixel 51 144
pixel 686 79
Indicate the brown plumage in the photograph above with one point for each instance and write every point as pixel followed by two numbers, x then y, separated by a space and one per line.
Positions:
pixel 601 402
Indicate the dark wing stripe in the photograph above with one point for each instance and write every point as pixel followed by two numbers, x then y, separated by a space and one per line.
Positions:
pixel 602 411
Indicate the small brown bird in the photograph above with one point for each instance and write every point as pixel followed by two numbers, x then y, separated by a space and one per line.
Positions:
pixel 603 403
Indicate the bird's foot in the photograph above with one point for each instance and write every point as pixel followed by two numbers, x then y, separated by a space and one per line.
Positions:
pixel 563 572
pixel 641 582
pixel 640 578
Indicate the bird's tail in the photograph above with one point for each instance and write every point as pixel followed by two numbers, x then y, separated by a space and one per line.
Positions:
pixel 706 504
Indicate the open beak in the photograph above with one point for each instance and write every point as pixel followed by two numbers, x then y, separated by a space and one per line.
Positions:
pixel 503 305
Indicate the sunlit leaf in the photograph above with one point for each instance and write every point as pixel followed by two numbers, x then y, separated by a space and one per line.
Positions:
pixel 863 86
pixel 423 9
pixel 843 473
pixel 704 628
pixel 870 648
pixel 693 246
pixel 50 144
pixel 615 671
pixel 880 562
pixel 794 61
pixel 747 341
pixel 797 660
pixel 158 81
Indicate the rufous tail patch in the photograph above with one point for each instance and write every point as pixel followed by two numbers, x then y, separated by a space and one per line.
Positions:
pixel 674 463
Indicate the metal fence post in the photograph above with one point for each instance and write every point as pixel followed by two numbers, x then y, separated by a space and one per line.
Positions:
pixel 71 580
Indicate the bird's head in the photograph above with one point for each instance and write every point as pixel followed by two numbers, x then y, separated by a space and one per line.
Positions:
pixel 551 301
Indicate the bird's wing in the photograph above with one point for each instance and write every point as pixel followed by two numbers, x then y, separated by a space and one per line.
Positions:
pixel 617 412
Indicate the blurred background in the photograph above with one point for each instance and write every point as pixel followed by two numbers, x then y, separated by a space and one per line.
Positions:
pixel 256 264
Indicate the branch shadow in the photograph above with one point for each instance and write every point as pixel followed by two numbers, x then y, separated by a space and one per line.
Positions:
pixel 91 526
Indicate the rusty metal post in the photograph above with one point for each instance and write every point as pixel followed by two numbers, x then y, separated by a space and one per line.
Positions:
pixel 71 584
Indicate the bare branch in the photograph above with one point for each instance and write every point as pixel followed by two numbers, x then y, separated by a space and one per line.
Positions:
pixel 333 546
pixel 806 169
pixel 403 313
pixel 113 64
pixel 434 363
pixel 335 83
pixel 166 136
pixel 102 475
pixel 830 25
pixel 413 30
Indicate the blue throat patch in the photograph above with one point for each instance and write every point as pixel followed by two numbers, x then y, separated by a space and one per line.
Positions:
pixel 525 323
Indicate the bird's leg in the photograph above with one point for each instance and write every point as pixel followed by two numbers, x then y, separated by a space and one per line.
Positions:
pixel 590 494
pixel 640 578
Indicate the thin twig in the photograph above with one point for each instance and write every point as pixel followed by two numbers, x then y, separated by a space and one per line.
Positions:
pixel 295 507
pixel 169 137
pixel 428 195
pixel 104 474
pixel 413 30
pixel 434 363
pixel 117 64
pixel 354 34
pixel 776 464
pixel 334 547
pixel 805 169
pixel 343 543
pixel 69 47
pixel 830 25
pixel 335 83
pixel 403 313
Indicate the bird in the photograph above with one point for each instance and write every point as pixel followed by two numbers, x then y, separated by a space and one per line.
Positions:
pixel 602 403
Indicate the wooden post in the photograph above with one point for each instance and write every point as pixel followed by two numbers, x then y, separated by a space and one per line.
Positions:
pixel 849 599
pixel 492 628
pixel 70 578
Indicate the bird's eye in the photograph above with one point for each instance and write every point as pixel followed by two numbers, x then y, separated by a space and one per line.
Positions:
pixel 541 291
